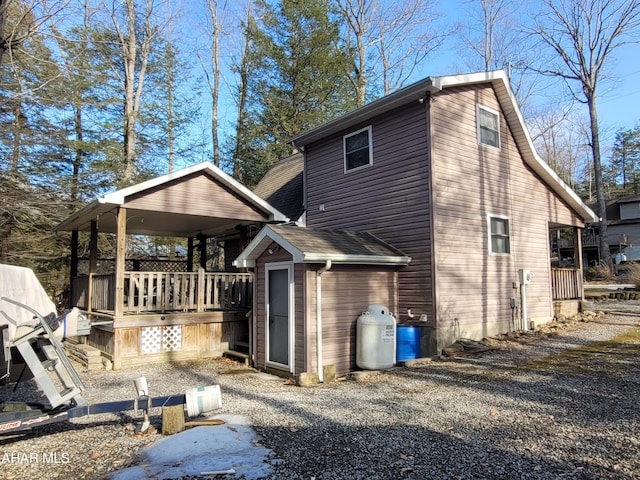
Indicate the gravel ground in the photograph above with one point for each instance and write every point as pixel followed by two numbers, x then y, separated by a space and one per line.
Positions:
pixel 558 403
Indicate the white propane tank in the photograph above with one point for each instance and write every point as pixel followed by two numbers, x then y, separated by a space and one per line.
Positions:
pixel 376 339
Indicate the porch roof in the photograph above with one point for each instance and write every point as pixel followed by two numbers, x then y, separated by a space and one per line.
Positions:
pixel 200 199
pixel 309 245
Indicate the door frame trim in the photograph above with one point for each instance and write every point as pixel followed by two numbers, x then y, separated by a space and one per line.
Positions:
pixel 289 266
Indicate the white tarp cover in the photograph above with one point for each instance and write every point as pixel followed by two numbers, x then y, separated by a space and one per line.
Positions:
pixel 21 284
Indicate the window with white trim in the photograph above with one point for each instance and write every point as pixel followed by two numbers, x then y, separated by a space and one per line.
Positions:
pixel 488 122
pixel 358 150
pixel 499 236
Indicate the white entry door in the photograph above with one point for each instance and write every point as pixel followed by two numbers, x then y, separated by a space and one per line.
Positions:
pixel 279 314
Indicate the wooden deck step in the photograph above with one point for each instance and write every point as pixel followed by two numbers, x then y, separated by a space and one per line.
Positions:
pixel 239 356
pixel 87 355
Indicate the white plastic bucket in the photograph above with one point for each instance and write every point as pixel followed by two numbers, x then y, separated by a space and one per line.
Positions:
pixel 203 399
pixel 142 390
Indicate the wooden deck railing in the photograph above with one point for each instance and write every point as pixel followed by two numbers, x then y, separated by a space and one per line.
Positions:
pixel 590 239
pixel 566 283
pixel 165 291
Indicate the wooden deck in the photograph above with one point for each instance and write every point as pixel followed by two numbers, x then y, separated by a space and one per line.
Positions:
pixel 167 316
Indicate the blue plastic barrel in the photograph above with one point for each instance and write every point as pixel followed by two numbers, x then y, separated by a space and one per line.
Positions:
pixel 407 342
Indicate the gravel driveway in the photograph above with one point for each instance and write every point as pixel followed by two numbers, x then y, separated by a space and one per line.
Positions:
pixel 562 403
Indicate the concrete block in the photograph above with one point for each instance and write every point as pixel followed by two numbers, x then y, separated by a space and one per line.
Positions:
pixel 307 379
pixel 329 373
pixel 417 362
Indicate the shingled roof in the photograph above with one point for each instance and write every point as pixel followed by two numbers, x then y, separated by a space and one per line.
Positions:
pixel 282 186
pixel 311 245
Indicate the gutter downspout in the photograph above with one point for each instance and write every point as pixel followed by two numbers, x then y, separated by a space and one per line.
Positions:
pixel 319 273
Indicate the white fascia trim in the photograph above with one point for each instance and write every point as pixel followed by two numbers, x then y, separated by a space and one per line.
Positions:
pixel 468 79
pixel 355 259
pixel 118 197
pixel 247 259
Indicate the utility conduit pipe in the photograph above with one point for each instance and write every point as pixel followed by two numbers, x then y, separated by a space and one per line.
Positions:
pixel 319 273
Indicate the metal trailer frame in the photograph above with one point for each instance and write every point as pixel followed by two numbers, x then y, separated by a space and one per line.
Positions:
pixel 22 416
pixel 44 356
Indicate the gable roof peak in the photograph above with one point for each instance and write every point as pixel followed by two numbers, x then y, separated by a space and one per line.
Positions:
pixel 499 80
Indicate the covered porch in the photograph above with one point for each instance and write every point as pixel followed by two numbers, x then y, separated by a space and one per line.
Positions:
pixel 567 284
pixel 152 309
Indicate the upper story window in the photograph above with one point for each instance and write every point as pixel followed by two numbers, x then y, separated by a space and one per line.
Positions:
pixel 358 149
pixel 488 127
pixel 499 237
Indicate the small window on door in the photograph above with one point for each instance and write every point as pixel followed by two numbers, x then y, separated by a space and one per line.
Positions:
pixel 499 236
pixel 488 127
pixel 358 151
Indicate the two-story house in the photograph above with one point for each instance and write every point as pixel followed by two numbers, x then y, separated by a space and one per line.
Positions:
pixel 431 201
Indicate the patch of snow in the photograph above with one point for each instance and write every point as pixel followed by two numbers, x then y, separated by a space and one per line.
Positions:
pixel 232 446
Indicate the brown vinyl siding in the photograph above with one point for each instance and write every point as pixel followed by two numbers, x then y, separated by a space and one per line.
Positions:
pixel 389 199
pixel 472 181
pixel 198 194
pixel 347 291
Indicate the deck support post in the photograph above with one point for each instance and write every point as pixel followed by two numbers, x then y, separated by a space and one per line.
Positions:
pixel 93 262
pixel 200 292
pixel 577 259
pixel 202 249
pixel 121 252
pixel 73 272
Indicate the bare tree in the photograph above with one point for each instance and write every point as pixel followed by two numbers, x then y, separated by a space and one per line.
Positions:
pixel 489 33
pixel 135 56
pixel 212 68
pixel 4 10
pixel 582 35
pixel 491 39
pixel 389 40
pixel 407 37
pixel 28 23
pixel 360 17
pixel 242 72
pixel 559 137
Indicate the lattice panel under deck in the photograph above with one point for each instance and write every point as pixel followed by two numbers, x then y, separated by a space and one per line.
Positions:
pixel 171 338
pixel 160 339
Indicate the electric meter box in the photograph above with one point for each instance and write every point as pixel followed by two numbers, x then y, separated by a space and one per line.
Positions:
pixel 525 276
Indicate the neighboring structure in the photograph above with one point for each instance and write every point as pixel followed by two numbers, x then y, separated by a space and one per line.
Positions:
pixel 623 230
pixel 168 308
pixel 445 175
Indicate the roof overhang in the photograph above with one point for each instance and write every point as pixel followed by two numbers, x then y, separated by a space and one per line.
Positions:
pixel 268 235
pixel 432 85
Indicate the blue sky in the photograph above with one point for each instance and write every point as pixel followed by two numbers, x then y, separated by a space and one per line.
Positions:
pixel 618 97
pixel 618 100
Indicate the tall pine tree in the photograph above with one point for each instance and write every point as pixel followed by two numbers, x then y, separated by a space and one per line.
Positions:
pixel 299 79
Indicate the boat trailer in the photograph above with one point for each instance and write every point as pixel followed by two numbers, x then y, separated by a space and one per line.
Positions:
pixel 39 354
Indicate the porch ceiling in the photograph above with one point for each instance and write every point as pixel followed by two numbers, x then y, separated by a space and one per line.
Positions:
pixel 146 222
